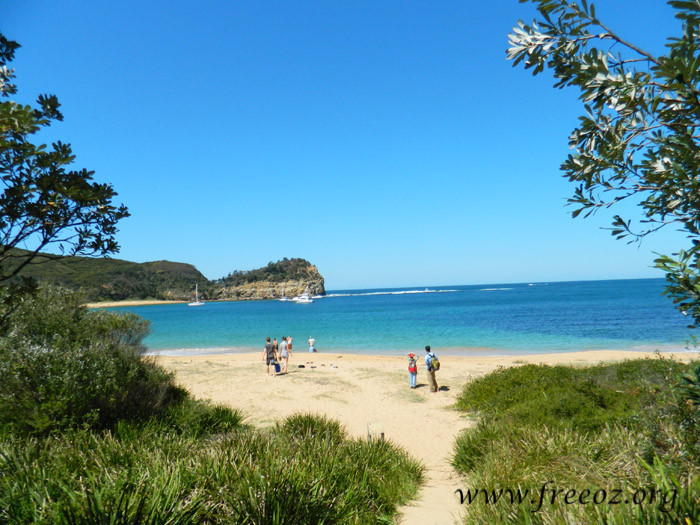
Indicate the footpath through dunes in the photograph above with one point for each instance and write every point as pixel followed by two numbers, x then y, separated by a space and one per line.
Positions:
pixel 362 390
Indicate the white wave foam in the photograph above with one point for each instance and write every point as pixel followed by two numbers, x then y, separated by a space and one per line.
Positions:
pixel 493 289
pixel 402 292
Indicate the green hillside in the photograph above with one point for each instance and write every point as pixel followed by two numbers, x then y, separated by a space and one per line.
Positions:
pixel 104 279
pixel 116 280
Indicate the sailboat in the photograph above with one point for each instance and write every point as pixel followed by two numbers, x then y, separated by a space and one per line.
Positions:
pixel 196 302
pixel 284 297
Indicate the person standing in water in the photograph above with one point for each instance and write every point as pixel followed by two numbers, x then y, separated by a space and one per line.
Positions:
pixel 312 345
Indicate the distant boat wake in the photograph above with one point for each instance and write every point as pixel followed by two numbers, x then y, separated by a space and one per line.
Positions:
pixel 402 292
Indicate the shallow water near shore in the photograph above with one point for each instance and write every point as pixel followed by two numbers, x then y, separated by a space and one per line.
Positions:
pixel 501 319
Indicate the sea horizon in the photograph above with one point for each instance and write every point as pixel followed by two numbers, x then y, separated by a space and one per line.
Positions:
pixel 484 319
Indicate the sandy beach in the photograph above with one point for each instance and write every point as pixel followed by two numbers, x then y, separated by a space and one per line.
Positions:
pixel 110 304
pixel 363 390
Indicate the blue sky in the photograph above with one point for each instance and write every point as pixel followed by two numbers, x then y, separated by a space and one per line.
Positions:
pixel 389 143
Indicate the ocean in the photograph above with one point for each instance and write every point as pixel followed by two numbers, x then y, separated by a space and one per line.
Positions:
pixel 501 319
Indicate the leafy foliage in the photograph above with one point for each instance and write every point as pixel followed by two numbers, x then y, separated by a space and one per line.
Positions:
pixel 284 270
pixel 43 202
pixel 638 138
pixel 64 366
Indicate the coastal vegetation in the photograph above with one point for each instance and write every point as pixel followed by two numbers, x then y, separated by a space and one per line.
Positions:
pixel 284 270
pixel 93 432
pixel 638 137
pixel 624 437
pixel 108 279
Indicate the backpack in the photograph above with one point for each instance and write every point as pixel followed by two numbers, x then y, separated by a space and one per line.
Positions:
pixel 434 362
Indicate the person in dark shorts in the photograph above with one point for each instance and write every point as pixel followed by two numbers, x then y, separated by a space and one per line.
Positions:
pixel 270 356
pixel 431 371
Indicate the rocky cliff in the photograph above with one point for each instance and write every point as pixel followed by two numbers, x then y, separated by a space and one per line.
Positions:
pixel 285 278
pixel 269 289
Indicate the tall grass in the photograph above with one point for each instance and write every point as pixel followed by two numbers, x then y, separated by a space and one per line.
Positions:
pixel 616 426
pixel 158 476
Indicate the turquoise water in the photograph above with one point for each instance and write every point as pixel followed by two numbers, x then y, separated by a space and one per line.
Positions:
pixel 488 319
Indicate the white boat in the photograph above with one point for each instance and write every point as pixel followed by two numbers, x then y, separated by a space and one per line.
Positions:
pixel 303 298
pixel 196 302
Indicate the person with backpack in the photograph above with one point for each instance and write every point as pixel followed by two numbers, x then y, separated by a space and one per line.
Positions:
pixel 432 364
pixel 412 369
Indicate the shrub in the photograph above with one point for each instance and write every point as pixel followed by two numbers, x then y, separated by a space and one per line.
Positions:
pixel 300 427
pixel 587 399
pixel 619 426
pixel 64 366
pixel 149 474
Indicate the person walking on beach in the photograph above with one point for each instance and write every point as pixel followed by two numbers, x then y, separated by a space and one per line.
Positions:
pixel 412 369
pixel 270 356
pixel 429 356
pixel 285 352
pixel 312 345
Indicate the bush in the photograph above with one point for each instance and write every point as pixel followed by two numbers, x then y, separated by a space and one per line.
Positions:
pixel 302 427
pixel 587 399
pixel 149 474
pixel 623 426
pixel 64 366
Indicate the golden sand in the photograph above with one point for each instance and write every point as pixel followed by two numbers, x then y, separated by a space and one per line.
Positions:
pixel 361 391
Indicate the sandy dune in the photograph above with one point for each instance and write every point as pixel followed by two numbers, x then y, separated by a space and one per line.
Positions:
pixel 362 391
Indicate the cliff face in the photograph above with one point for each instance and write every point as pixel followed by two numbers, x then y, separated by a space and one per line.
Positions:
pixel 285 278
pixel 269 289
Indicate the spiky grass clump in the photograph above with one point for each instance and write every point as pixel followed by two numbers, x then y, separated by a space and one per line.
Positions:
pixel 153 475
pixel 602 427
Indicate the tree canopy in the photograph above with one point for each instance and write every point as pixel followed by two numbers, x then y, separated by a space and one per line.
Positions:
pixel 42 201
pixel 279 271
pixel 638 137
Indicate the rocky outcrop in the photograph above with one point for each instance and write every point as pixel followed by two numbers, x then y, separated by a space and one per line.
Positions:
pixel 285 278
pixel 269 289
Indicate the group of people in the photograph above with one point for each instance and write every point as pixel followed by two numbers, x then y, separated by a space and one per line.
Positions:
pixel 431 365
pixel 279 353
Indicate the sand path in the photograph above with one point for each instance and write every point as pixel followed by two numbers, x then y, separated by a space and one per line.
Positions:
pixel 362 391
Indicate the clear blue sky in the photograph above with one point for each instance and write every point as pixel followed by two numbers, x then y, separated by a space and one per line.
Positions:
pixel 390 143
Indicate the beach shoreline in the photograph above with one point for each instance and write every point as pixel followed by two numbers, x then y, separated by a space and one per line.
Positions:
pixel 139 302
pixel 447 351
pixel 372 391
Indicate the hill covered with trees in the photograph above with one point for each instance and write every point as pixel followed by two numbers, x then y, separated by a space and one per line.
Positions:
pixel 106 279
